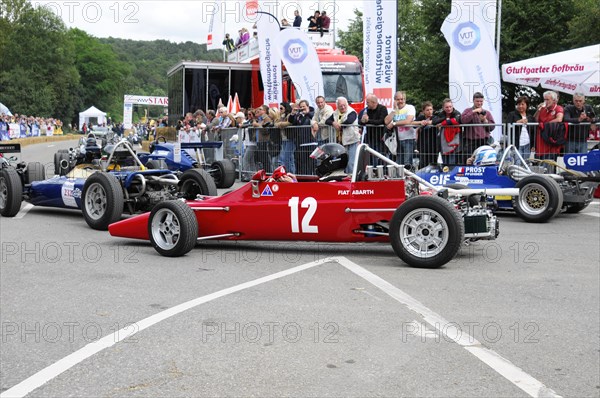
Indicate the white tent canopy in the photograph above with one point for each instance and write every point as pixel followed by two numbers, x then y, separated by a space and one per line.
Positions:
pixel 91 112
pixel 4 109
pixel 572 71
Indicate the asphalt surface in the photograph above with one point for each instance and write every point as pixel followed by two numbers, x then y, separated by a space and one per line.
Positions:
pixel 345 320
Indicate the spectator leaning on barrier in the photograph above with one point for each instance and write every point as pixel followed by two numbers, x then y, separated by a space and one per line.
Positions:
pixel 373 117
pixel 578 134
pixel 474 137
pixel 549 114
pixel 314 22
pixel 325 22
pixel 447 120
pixel 400 120
pixel 524 135
pixel 426 135
pixel 302 137
pixel 345 121
pixel 322 113
pixel 228 43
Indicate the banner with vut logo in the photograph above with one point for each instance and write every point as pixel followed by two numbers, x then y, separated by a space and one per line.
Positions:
pixel 380 49
pixel 473 64
pixel 270 60
pixel 302 63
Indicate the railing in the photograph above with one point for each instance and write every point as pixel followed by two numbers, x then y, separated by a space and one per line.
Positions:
pixel 252 149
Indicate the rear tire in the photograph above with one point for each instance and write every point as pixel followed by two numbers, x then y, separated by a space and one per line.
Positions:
pixel 11 192
pixel 35 172
pixel 196 182
pixel 540 198
pixel 102 201
pixel 426 231
pixel 173 228
pixel 223 172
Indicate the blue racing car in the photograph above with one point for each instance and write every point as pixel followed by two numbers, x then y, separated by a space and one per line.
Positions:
pixel 114 183
pixel 541 196
pixel 185 156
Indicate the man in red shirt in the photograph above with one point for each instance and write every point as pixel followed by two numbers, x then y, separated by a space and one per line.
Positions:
pixel 547 112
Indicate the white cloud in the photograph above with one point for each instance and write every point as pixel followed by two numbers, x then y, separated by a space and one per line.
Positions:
pixel 180 21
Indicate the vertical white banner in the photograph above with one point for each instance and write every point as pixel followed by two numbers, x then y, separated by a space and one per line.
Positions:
pixel 216 27
pixel 380 49
pixel 302 63
pixel 270 59
pixel 473 64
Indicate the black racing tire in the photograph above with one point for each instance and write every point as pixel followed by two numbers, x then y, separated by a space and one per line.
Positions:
pixel 196 182
pixel 540 198
pixel 173 228
pixel 11 192
pixel 412 234
pixel 223 172
pixel 473 199
pixel 35 172
pixel 102 201
pixel 59 157
pixel 157 164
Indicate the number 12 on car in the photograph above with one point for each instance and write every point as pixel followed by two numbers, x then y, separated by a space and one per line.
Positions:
pixel 311 205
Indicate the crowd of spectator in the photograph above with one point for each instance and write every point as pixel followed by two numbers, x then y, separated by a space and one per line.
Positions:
pixel 287 135
pixel 28 126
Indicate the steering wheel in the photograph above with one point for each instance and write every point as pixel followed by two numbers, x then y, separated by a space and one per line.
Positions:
pixel 157 140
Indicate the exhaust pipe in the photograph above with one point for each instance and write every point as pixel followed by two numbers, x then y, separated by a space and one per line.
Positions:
pixel 64 164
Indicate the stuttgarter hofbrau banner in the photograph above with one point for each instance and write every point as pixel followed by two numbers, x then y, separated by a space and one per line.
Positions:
pixel 473 64
pixel 380 49
pixel 270 59
pixel 302 63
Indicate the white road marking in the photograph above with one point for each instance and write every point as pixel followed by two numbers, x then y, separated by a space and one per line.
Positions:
pixel 503 366
pixel 45 375
pixel 24 210
pixel 51 145
pixel 592 214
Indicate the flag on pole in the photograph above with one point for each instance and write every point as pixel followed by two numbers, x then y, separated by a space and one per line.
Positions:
pixel 473 64
pixel 216 27
pixel 380 49
pixel 270 60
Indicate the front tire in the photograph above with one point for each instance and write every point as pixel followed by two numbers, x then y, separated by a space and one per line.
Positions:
pixel 196 182
pixel 426 231
pixel 540 198
pixel 223 172
pixel 173 228
pixel 102 201
pixel 59 157
pixel 11 192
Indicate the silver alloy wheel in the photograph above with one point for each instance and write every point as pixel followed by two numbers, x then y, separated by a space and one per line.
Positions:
pixel 424 233
pixel 3 193
pixel 166 229
pixel 534 199
pixel 95 201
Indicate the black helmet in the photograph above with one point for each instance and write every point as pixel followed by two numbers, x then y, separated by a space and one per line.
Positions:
pixel 332 156
pixel 90 142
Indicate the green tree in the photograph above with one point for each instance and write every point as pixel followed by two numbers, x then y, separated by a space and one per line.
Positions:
pixel 102 73
pixel 583 26
pixel 38 48
pixel 352 40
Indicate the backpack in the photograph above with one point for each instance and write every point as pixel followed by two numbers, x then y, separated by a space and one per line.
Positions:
pixel 554 133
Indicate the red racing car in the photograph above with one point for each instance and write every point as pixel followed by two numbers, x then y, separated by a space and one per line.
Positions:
pixel 374 205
